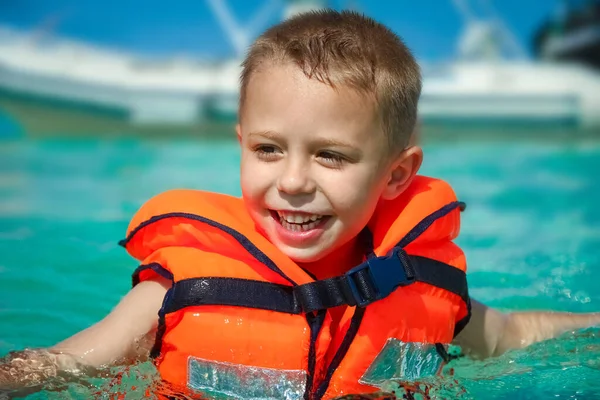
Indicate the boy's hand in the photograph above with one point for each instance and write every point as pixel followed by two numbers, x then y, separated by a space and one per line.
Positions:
pixel 491 333
pixel 33 367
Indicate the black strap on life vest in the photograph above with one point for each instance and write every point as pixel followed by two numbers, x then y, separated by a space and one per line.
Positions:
pixel 372 280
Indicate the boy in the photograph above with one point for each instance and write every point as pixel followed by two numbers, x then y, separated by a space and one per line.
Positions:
pixel 329 180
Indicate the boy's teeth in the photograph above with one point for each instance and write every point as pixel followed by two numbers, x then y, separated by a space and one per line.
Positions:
pixel 297 218
pixel 299 227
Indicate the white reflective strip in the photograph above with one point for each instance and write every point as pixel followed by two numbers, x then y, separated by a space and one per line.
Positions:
pixel 402 362
pixel 222 380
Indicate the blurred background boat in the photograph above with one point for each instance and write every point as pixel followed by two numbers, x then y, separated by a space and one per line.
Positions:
pixel 58 86
pixel 494 83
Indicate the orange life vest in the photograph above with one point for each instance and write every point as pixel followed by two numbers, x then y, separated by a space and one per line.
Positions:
pixel 242 320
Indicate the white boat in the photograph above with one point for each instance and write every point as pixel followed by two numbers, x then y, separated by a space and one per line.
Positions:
pixel 517 94
pixel 494 83
pixel 58 86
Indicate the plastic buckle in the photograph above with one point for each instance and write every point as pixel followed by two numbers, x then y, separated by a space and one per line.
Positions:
pixel 386 273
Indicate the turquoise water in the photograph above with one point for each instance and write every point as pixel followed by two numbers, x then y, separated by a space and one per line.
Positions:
pixel 531 233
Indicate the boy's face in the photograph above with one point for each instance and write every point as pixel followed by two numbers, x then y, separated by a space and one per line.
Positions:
pixel 313 164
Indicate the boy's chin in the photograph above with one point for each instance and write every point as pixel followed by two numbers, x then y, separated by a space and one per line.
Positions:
pixel 303 256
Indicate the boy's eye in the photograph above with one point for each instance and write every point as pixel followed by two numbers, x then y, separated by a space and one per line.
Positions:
pixel 331 158
pixel 266 151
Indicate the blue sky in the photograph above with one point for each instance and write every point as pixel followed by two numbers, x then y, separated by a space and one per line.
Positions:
pixel 157 27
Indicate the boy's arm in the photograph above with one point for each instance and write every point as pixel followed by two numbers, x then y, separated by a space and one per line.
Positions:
pixel 120 337
pixel 491 333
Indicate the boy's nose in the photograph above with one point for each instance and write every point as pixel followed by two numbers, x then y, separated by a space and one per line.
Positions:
pixel 296 179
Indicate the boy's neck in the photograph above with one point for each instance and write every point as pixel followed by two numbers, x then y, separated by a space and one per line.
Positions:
pixel 338 262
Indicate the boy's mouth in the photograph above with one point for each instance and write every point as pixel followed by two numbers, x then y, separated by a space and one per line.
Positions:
pixel 299 222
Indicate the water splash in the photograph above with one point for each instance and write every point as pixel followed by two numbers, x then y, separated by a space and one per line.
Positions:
pixel 568 366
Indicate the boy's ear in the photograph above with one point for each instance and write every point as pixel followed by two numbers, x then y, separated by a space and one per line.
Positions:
pixel 238 132
pixel 402 172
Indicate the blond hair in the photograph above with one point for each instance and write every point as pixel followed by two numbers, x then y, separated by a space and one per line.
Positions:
pixel 349 49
